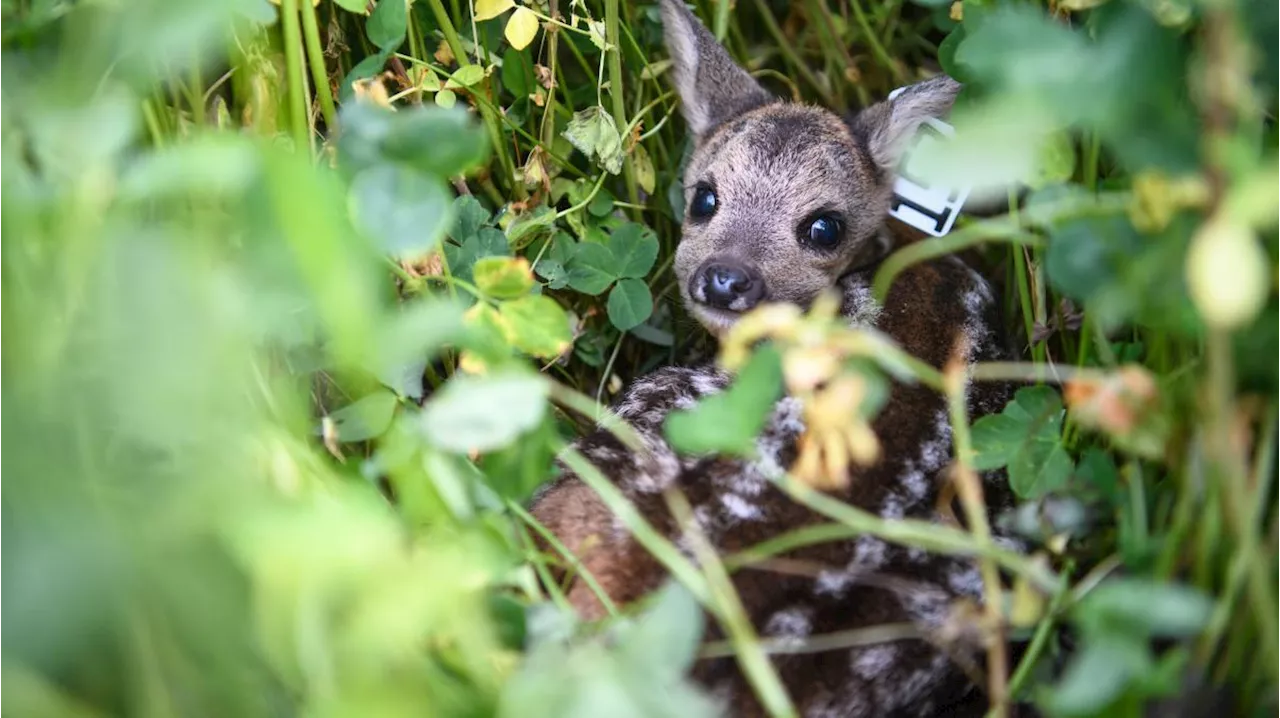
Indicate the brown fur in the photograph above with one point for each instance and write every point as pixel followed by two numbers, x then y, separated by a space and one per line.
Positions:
pixel 773 165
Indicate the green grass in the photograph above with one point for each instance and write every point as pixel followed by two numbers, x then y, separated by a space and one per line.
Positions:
pixel 238 301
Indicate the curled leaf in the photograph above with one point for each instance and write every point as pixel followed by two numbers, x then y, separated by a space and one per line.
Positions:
pixel 593 132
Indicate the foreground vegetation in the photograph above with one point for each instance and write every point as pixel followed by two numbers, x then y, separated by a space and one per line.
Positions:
pixel 245 301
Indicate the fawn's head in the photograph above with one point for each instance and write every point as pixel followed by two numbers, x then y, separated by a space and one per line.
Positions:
pixel 781 199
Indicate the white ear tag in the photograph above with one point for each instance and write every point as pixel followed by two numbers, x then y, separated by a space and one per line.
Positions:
pixel 929 208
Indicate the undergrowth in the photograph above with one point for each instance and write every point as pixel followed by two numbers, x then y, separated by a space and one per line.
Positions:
pixel 246 303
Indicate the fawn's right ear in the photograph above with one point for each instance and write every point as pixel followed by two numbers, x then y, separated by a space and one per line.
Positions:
pixel 712 88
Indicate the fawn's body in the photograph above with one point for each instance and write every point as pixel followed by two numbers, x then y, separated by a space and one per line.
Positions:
pixel 786 201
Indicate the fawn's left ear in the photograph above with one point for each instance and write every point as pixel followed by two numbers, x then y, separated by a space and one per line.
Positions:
pixel 712 88
pixel 886 126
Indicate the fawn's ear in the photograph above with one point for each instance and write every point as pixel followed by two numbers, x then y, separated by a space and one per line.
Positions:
pixel 887 126
pixel 712 88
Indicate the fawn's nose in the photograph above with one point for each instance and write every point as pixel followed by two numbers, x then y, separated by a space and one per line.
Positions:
pixel 728 284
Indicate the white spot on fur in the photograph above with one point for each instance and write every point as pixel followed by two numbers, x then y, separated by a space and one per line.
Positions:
pixel 965 580
pixel 740 508
pixel 791 623
pixel 874 662
pixel 860 306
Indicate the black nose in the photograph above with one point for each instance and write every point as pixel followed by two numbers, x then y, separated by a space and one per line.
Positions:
pixel 729 285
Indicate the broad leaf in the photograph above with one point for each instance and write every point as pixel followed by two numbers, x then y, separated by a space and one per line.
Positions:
pixel 489 9
pixel 536 325
pixel 469 215
pixel 593 268
pixel 387 25
pixel 367 418
pixel 1140 605
pixel 483 413
pixel 431 139
pixel 635 248
pixel 503 277
pixel 1027 438
pixel 521 28
pixel 729 422
pixel 630 303
pixel 406 212
pixel 667 634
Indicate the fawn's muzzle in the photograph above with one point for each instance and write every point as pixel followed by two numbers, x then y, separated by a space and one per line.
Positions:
pixel 727 284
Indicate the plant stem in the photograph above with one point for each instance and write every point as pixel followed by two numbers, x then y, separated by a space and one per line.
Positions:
pixel 613 38
pixel 969 488
pixel 644 533
pixel 789 53
pixel 751 656
pixel 315 57
pixel 721 24
pixel 291 37
pixel 486 111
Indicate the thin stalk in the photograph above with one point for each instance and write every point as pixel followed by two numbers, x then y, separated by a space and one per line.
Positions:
pixel 969 488
pixel 753 660
pixel 920 534
pixel 1039 640
pixel 873 41
pixel 644 533
pixel 722 19
pixel 486 111
pixel 291 36
pixel 315 57
pixel 789 54
pixel 572 560
pixel 613 38
pixel 835 641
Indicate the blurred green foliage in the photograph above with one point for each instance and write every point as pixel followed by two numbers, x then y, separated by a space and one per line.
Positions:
pixel 248 476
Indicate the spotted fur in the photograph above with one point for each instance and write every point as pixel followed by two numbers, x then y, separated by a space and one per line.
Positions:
pixel 774 163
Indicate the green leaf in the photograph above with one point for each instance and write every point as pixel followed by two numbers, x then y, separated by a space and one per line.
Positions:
pixel 405 211
pixel 593 268
pixel 536 325
pixel 503 277
pixel 555 274
pixel 635 248
pixel 431 139
pixel 517 76
pixel 729 422
pixel 601 204
pixel 408 339
pixel 1087 255
pixel 1096 676
pixel 367 418
pixel 1025 437
pixel 465 416
pixel 666 636
pixel 593 132
pixel 470 216
pixel 630 303
pixel 487 242
pixel 1144 607
pixel 466 76
pixel 387 25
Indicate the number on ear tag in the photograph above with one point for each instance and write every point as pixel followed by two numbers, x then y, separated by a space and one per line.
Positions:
pixel 929 208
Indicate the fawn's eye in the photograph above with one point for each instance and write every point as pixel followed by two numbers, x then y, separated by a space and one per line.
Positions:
pixel 704 202
pixel 823 232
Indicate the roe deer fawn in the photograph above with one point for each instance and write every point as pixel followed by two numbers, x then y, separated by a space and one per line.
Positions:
pixel 785 201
